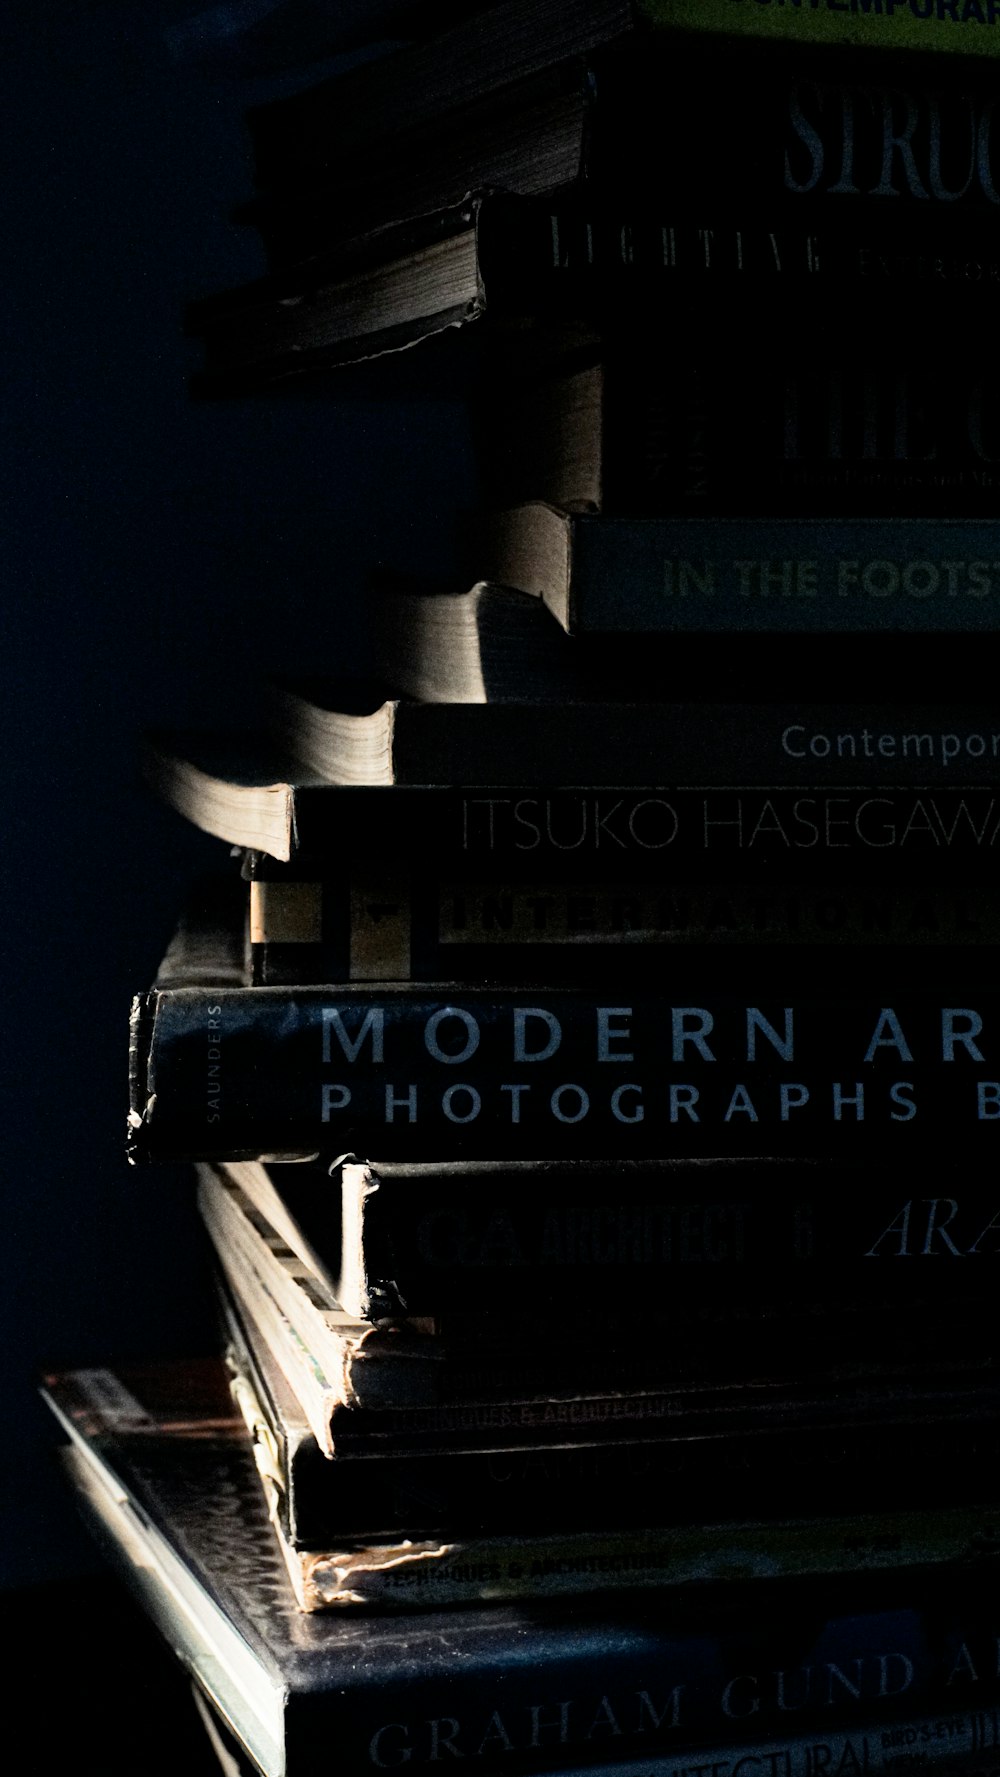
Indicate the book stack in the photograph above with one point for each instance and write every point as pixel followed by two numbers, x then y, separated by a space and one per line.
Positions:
pixel 591 1059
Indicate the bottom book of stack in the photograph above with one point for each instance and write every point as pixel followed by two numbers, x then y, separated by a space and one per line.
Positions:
pixel 801 1675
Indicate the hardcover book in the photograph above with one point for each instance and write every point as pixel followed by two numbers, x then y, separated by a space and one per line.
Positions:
pixel 677 180
pixel 599 572
pixel 701 1277
pixel 366 923
pixel 528 140
pixel 637 431
pixel 357 733
pixel 695 1272
pixel 783 1238
pixel 438 1072
pixel 580 1364
pixel 517 1358
pixel 506 258
pixel 666 167
pixel 183 1517
pixel 293 824
pixel 621 1438
pixel 487 50
pixel 495 1540
pixel 852 1442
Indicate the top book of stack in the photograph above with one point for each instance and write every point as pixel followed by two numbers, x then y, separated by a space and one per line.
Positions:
pixel 498 45
pixel 589 156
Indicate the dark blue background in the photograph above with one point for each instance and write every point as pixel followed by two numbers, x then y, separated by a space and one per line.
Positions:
pixel 161 556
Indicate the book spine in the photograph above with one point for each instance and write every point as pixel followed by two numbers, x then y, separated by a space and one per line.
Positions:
pixel 826 833
pixel 581 930
pixel 694 744
pixel 534 1073
pixel 772 432
pixel 578 256
pixel 811 171
pixel 777 1236
pixel 969 27
pixel 851 1474
pixel 674 1698
pixel 785 145
pixel 767 576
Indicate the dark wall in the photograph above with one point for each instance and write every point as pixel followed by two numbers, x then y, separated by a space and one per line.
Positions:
pixel 162 555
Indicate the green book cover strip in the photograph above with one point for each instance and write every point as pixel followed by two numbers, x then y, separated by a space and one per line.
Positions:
pixel 971 27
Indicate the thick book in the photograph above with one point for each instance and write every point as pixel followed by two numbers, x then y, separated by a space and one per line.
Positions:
pixel 500 257
pixel 664 1368
pixel 673 165
pixel 842 1062
pixel 690 1273
pixel 777 575
pixel 526 141
pixel 293 824
pixel 523 1357
pixel 553 1687
pixel 493 1540
pixel 506 641
pixel 488 50
pixel 361 733
pixel 785 1239
pixel 853 1445
pixel 672 1451
pixel 698 1280
pixel 785 182
pixel 631 429
pixel 427 82
pixel 405 284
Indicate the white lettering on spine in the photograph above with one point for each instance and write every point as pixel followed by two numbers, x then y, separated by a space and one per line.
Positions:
pixel 373 1025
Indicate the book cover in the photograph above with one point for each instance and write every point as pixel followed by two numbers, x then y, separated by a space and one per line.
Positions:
pixel 528 140
pixel 579 1363
pixel 551 1688
pixel 622 1274
pixel 519 1356
pixel 681 176
pixel 430 1073
pixel 786 1238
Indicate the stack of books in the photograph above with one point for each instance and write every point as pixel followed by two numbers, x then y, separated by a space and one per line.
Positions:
pixel 590 1058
